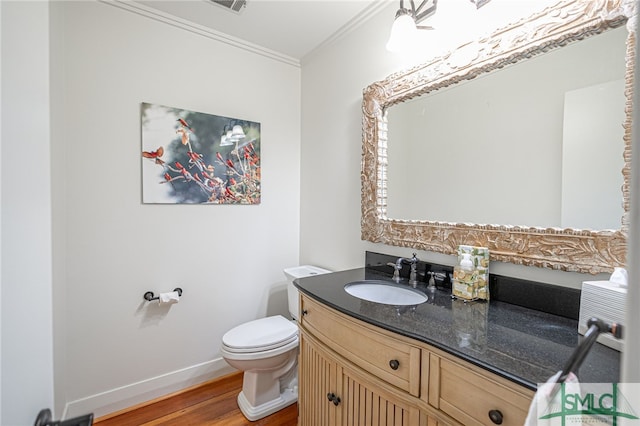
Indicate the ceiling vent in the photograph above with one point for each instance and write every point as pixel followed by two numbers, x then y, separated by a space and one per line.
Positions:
pixel 235 5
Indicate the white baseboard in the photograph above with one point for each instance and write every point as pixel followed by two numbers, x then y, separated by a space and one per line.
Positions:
pixel 126 396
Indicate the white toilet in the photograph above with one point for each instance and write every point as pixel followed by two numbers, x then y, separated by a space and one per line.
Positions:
pixel 266 350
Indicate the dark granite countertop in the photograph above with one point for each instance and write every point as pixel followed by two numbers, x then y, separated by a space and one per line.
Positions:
pixel 523 345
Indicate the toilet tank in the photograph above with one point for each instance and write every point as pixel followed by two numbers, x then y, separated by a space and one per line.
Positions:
pixel 292 292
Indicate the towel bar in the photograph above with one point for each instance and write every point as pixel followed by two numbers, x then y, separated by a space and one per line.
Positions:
pixel 595 327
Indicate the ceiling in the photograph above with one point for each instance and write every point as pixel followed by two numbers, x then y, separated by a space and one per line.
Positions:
pixel 290 27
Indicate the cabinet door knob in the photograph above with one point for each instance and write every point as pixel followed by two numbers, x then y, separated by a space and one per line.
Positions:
pixel 495 416
pixel 333 398
pixel 394 364
pixel 304 312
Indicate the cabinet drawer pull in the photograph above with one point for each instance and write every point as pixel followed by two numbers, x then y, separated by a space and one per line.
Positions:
pixel 394 364
pixel 333 398
pixel 304 312
pixel 495 416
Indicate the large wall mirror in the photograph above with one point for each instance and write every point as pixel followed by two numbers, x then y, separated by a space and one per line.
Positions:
pixel 519 142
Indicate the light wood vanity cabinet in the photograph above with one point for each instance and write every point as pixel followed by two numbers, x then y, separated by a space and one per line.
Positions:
pixel 353 373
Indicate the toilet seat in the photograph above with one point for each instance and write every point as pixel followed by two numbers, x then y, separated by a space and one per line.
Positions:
pixel 228 348
pixel 232 354
pixel 261 335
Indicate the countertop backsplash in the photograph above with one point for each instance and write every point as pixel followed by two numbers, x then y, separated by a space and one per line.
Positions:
pixel 556 300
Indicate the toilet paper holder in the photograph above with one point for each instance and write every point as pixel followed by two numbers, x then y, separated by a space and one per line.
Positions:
pixel 149 296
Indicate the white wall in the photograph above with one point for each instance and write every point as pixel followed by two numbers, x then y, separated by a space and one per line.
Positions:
pixel 112 348
pixel 26 333
pixel 332 82
pixel 1 241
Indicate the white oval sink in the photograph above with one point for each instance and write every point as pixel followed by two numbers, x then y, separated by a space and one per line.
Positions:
pixel 384 292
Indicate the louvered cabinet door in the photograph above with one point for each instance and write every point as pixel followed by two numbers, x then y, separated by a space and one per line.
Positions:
pixel 317 385
pixel 363 404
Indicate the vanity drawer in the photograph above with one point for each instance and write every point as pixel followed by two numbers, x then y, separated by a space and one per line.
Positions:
pixel 470 397
pixel 379 353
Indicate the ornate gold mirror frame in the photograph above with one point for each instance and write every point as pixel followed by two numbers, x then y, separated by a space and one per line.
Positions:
pixel 569 249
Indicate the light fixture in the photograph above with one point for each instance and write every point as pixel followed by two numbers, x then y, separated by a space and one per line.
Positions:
pixel 404 31
pixel 405 26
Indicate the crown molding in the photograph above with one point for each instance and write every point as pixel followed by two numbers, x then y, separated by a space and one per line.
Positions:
pixel 166 18
pixel 350 26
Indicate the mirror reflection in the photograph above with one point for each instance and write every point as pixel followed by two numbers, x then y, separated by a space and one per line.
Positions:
pixel 539 143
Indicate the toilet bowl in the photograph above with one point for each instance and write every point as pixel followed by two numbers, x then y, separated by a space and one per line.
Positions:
pixel 266 350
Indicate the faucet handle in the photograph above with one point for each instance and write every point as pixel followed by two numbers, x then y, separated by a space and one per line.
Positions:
pixel 396 270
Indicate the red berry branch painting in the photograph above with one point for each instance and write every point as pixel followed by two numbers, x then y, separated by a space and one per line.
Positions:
pixel 196 158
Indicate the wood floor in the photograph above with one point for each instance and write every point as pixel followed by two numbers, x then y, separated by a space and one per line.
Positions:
pixel 213 403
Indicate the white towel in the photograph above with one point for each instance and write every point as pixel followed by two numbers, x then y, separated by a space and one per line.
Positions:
pixel 542 404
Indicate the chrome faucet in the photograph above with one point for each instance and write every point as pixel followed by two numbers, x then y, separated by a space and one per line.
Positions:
pixel 413 281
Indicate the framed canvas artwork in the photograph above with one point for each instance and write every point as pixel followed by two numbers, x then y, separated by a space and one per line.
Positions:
pixel 196 158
